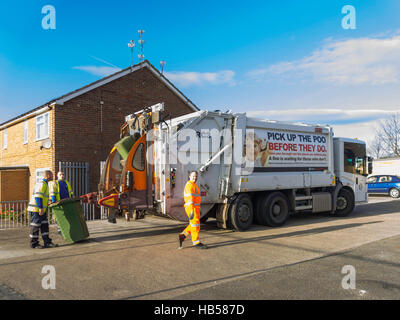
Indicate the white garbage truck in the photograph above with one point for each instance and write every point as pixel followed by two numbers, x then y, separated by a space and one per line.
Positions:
pixel 249 170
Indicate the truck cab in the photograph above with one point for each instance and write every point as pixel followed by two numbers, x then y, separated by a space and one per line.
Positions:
pixel 352 166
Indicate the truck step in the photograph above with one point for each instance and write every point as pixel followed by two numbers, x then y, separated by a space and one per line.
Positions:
pixel 303 198
pixel 303 207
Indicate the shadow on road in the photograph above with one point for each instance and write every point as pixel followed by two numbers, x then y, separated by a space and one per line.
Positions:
pixel 364 210
pixel 139 234
pixel 291 234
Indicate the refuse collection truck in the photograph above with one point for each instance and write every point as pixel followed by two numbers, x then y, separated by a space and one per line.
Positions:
pixel 249 170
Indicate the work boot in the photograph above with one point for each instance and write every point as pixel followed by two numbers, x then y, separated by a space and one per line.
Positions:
pixel 182 238
pixel 50 245
pixel 36 246
pixel 112 220
pixel 200 246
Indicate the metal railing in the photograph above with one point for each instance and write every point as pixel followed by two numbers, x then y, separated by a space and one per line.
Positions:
pixel 14 214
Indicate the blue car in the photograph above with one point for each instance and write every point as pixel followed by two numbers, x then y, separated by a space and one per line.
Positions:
pixel 384 184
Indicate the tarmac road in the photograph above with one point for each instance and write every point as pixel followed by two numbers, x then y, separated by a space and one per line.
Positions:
pixel 140 260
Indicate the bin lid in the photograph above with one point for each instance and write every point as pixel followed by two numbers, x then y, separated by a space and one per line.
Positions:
pixel 63 201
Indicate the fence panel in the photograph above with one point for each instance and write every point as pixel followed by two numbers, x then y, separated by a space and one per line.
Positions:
pixel 13 214
pixel 77 174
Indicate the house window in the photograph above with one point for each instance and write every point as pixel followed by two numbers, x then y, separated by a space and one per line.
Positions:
pixel 40 174
pixel 42 127
pixel 5 139
pixel 26 132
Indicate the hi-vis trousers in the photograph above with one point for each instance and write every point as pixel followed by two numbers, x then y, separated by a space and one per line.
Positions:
pixel 194 224
pixel 39 223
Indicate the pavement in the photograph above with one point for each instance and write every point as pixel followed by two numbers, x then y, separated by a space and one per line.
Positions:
pixel 139 260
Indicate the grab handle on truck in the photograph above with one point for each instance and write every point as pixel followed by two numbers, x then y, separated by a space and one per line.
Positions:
pixel 213 158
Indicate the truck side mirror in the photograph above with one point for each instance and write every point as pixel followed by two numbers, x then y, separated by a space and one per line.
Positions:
pixel 129 181
pixel 369 165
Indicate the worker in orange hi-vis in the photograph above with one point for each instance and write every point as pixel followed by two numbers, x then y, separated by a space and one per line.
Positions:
pixel 192 208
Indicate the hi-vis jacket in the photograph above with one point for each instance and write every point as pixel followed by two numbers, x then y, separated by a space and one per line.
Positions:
pixel 55 190
pixel 192 199
pixel 40 197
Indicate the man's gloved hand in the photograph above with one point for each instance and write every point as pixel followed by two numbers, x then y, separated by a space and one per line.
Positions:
pixel 41 212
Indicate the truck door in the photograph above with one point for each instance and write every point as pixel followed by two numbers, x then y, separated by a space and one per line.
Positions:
pixel 140 196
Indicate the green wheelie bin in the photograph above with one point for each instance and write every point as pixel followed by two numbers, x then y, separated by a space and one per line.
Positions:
pixel 70 219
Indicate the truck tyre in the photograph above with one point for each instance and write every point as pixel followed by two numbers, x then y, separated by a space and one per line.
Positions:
pixel 241 213
pixel 345 203
pixel 273 210
pixel 394 193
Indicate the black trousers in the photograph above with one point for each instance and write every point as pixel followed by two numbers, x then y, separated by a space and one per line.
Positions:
pixel 39 223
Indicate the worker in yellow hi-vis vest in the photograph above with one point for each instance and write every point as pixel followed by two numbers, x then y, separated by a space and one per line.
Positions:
pixel 38 208
pixel 61 189
pixel 192 207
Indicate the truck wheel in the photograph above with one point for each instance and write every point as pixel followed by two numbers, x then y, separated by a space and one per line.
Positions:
pixel 394 193
pixel 241 213
pixel 273 210
pixel 345 203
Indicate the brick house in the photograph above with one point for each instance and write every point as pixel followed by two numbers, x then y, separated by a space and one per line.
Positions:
pixel 80 128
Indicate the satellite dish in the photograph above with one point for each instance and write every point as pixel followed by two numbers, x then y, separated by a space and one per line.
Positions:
pixel 46 144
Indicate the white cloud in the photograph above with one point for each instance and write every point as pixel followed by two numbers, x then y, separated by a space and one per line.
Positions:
pixel 333 115
pixel 186 79
pixel 355 61
pixel 98 71
pixel 363 131
pixel 351 123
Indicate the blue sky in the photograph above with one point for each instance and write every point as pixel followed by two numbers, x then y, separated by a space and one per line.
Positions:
pixel 284 60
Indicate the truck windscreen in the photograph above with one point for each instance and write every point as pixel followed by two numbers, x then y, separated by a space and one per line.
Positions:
pixel 355 158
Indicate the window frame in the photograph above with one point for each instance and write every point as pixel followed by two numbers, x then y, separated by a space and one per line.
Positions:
pixel 386 181
pixel 26 132
pixel 5 138
pixel 44 115
pixel 36 174
pixel 370 178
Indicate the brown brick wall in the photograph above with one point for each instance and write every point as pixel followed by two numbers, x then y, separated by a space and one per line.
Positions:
pixel 14 185
pixel 18 153
pixel 78 122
